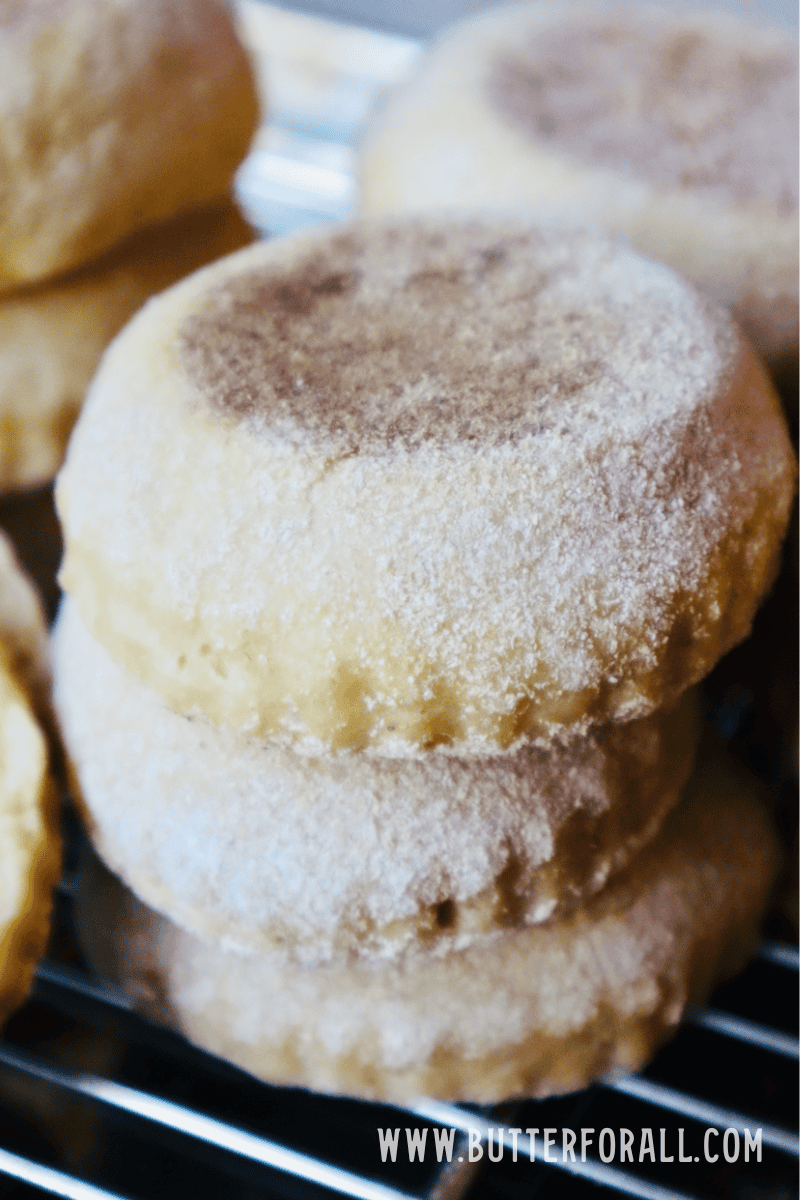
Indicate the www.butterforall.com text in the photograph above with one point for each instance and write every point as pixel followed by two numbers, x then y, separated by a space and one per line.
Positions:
pixel 570 1145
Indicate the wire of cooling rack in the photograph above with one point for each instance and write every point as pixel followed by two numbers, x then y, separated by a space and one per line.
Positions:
pixel 63 988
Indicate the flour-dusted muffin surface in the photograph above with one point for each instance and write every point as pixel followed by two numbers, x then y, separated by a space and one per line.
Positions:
pixel 255 847
pixel 469 482
pixel 679 131
pixel 661 97
pixel 538 1011
pixel 114 115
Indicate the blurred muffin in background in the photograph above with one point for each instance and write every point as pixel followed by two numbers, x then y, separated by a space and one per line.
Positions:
pixel 52 336
pixel 678 131
pixel 121 125
pixel 114 115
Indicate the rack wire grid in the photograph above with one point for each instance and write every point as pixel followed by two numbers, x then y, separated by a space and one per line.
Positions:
pixel 97 1102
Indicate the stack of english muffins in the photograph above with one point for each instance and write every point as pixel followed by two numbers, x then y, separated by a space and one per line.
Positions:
pixel 375 667
pixel 121 125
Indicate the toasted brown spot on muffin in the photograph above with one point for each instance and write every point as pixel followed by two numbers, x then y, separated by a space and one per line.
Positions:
pixel 400 337
pixel 664 102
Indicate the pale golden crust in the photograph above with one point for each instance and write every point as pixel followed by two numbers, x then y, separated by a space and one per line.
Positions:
pixel 52 336
pixel 433 556
pixel 29 841
pixel 114 115
pixel 536 1012
pixel 23 631
pixel 29 830
pixel 251 846
pixel 678 131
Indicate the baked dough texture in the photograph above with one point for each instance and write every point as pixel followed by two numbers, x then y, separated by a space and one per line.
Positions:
pixel 114 115
pixel 29 842
pixel 252 847
pixel 23 631
pixel 678 131
pixel 538 1011
pixel 52 336
pixel 29 832
pixel 473 482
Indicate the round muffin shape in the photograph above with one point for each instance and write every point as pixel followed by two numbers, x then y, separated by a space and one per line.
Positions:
pixel 114 115
pixel 52 336
pixel 253 846
pixel 677 130
pixel 536 1012
pixel 469 481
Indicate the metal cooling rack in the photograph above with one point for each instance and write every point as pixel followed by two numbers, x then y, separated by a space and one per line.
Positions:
pixel 96 1102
